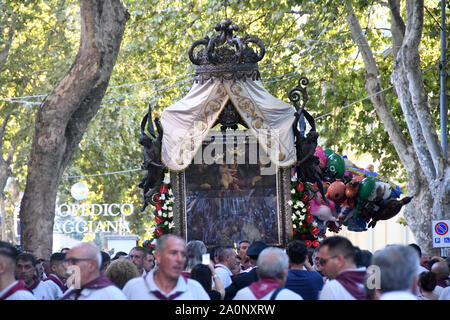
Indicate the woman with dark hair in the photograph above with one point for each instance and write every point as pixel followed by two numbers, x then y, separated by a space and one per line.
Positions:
pixel 204 274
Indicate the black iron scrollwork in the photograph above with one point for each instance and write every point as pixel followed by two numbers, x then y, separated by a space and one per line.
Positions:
pixel 152 158
pixel 216 60
pixel 307 162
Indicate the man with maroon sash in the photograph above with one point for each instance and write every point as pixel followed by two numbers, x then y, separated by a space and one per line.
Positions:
pixel 10 288
pixel 273 267
pixel 227 262
pixel 26 271
pixel 346 281
pixel 165 281
pixel 56 279
pixel 85 261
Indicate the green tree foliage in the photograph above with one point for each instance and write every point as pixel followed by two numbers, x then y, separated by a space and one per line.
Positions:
pixel 307 38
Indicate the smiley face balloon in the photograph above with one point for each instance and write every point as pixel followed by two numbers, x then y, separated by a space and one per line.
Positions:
pixel 336 165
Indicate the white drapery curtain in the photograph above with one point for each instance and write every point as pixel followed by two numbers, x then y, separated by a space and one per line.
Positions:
pixel 186 123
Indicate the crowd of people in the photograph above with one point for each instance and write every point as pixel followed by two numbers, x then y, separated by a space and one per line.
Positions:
pixel 336 270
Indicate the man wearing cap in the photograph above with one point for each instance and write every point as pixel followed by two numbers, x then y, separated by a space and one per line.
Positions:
pixel 246 278
pixel 10 288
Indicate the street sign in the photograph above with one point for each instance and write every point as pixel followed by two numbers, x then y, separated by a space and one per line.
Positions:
pixel 441 234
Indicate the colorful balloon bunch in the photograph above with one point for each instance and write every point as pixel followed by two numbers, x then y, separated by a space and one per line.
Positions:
pixel 356 198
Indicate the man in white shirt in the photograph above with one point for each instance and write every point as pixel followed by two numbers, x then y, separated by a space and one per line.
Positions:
pixel 337 260
pixel 397 273
pixel 10 288
pixel 26 271
pixel 273 267
pixel 137 255
pixel 165 281
pixel 445 294
pixel 56 279
pixel 85 261
pixel 227 261
pixel 245 264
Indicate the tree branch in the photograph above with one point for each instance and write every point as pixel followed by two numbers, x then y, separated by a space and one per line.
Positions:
pixel 397 26
pixel 409 65
pixel 373 85
pixel 5 51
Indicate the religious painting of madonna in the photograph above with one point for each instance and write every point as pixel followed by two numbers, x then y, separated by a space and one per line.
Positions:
pixel 231 192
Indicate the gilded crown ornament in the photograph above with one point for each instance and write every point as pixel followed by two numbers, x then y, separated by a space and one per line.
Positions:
pixel 216 61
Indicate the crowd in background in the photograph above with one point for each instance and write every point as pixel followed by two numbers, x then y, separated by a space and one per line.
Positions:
pixel 336 270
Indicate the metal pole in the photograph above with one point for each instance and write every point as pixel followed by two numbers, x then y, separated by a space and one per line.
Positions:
pixel 443 97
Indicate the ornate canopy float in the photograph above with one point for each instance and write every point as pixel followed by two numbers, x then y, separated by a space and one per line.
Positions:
pixel 261 176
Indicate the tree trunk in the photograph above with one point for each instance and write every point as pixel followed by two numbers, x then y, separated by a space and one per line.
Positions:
pixel 63 117
pixel 427 171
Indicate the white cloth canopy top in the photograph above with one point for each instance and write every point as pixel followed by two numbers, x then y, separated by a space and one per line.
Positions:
pixel 187 122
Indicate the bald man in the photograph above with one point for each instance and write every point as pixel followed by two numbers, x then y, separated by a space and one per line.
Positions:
pixel 84 261
pixel 442 272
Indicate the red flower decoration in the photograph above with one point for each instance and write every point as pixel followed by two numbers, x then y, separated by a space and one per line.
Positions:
pixel 303 236
pixel 163 188
pixel 314 231
pixel 305 198
pixel 309 218
pixel 156 197
pixel 158 231
pixel 300 186
pixel 315 243
pixel 158 219
pixel 308 208
pixel 158 206
pixel 308 243
pixel 294 233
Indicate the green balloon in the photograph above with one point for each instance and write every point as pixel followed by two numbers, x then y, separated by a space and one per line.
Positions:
pixel 336 164
pixel 366 187
pixel 328 152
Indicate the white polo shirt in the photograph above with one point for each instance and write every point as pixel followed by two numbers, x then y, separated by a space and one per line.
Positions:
pixel 43 291
pixel 284 294
pixel 107 293
pixel 224 274
pixel 55 290
pixel 18 295
pixel 145 288
pixel 398 295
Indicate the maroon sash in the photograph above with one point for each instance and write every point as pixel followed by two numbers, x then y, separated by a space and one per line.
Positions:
pixel 20 285
pixel 160 296
pixel 186 275
pixel 353 282
pixel 35 283
pixel 263 287
pixel 99 283
pixel 58 282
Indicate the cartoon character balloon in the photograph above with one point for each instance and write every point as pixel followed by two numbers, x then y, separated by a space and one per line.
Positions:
pixel 322 157
pixel 328 152
pixel 336 165
pixel 336 191
pixel 365 188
